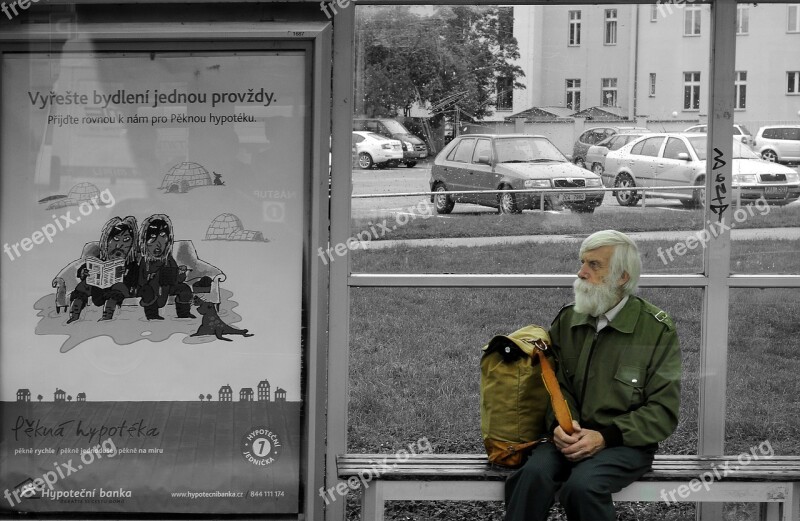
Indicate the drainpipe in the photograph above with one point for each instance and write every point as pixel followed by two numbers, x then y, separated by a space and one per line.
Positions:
pixel 634 65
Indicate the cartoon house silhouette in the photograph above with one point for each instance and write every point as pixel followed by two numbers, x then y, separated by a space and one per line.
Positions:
pixel 184 176
pixel 280 395
pixel 263 391
pixel 246 394
pixel 81 397
pixel 59 396
pixel 23 395
pixel 225 393
pixel 228 227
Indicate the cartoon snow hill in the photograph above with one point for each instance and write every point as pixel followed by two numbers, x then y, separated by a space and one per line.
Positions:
pixel 134 267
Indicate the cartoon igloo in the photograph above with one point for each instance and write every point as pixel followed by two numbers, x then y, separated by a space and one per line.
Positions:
pixel 228 227
pixel 184 176
pixel 77 194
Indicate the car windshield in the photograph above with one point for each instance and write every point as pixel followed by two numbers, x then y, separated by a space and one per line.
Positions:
pixel 527 150
pixel 379 137
pixel 740 150
pixel 745 130
pixel 394 127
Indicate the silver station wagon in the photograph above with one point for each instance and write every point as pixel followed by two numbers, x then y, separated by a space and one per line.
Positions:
pixel 510 162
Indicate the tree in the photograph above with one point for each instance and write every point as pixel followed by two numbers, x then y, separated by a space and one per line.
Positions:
pixel 201 397
pixel 39 397
pixel 69 398
pixel 208 397
pixel 408 57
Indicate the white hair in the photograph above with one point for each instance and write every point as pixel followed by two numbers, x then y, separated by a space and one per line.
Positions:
pixel 625 258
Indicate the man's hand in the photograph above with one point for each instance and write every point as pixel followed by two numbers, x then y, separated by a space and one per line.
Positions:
pixel 581 444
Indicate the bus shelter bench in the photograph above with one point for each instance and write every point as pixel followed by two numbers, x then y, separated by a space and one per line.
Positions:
pixel 774 482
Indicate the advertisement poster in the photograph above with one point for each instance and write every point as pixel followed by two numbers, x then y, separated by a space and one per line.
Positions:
pixel 151 212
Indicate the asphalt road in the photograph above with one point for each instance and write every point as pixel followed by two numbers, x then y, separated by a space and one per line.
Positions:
pixel 402 179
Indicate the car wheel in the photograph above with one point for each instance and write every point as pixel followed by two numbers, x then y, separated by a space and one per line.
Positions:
pixel 442 202
pixel 365 160
pixel 597 169
pixel 699 195
pixel 581 209
pixel 580 162
pixel 625 197
pixel 769 155
pixel 411 164
pixel 507 203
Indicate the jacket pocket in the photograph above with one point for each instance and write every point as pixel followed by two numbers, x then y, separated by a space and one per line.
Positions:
pixel 629 385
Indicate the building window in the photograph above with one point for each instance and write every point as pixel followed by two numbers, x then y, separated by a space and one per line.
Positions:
pixel 574 95
pixel 691 90
pixel 741 90
pixel 505 93
pixel 574 28
pixel 652 84
pixel 505 23
pixel 611 27
pixel 609 92
pixel 654 12
pixel 793 86
pixel 691 20
pixel 742 19
pixel 794 18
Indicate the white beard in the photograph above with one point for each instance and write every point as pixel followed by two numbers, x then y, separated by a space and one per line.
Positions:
pixel 594 299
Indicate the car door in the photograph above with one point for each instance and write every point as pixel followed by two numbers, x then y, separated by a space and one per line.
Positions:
pixel 643 159
pixel 480 175
pixel 671 170
pixel 790 144
pixel 456 166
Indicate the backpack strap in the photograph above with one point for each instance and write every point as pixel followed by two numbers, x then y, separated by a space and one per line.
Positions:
pixel 560 407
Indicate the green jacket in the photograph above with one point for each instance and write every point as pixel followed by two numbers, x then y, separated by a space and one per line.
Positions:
pixel 623 381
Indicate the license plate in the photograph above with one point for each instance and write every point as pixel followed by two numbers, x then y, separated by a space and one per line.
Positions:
pixel 775 190
pixel 573 197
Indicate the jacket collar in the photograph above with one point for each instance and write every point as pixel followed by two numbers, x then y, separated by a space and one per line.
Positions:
pixel 624 322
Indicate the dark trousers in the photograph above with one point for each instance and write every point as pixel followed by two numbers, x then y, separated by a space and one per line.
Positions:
pixel 584 488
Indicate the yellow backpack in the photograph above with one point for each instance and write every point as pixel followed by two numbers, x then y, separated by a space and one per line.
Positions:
pixel 514 397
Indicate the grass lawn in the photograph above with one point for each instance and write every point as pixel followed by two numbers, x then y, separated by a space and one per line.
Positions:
pixel 415 353
pixel 486 223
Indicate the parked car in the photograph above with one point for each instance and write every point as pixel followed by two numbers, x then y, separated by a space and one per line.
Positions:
pixel 414 149
pixel 509 162
pixel 740 132
pixel 679 159
pixel 779 143
pixel 596 155
pixel 373 149
pixel 594 136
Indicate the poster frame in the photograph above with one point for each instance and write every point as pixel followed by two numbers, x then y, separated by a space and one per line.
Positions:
pixel 314 39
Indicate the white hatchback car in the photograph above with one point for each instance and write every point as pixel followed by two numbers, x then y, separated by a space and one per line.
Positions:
pixel 779 143
pixel 373 149
pixel 740 132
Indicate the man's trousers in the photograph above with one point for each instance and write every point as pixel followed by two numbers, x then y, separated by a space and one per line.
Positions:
pixel 584 488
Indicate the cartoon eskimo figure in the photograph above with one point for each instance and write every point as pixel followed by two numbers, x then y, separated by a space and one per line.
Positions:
pixel 159 274
pixel 119 239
